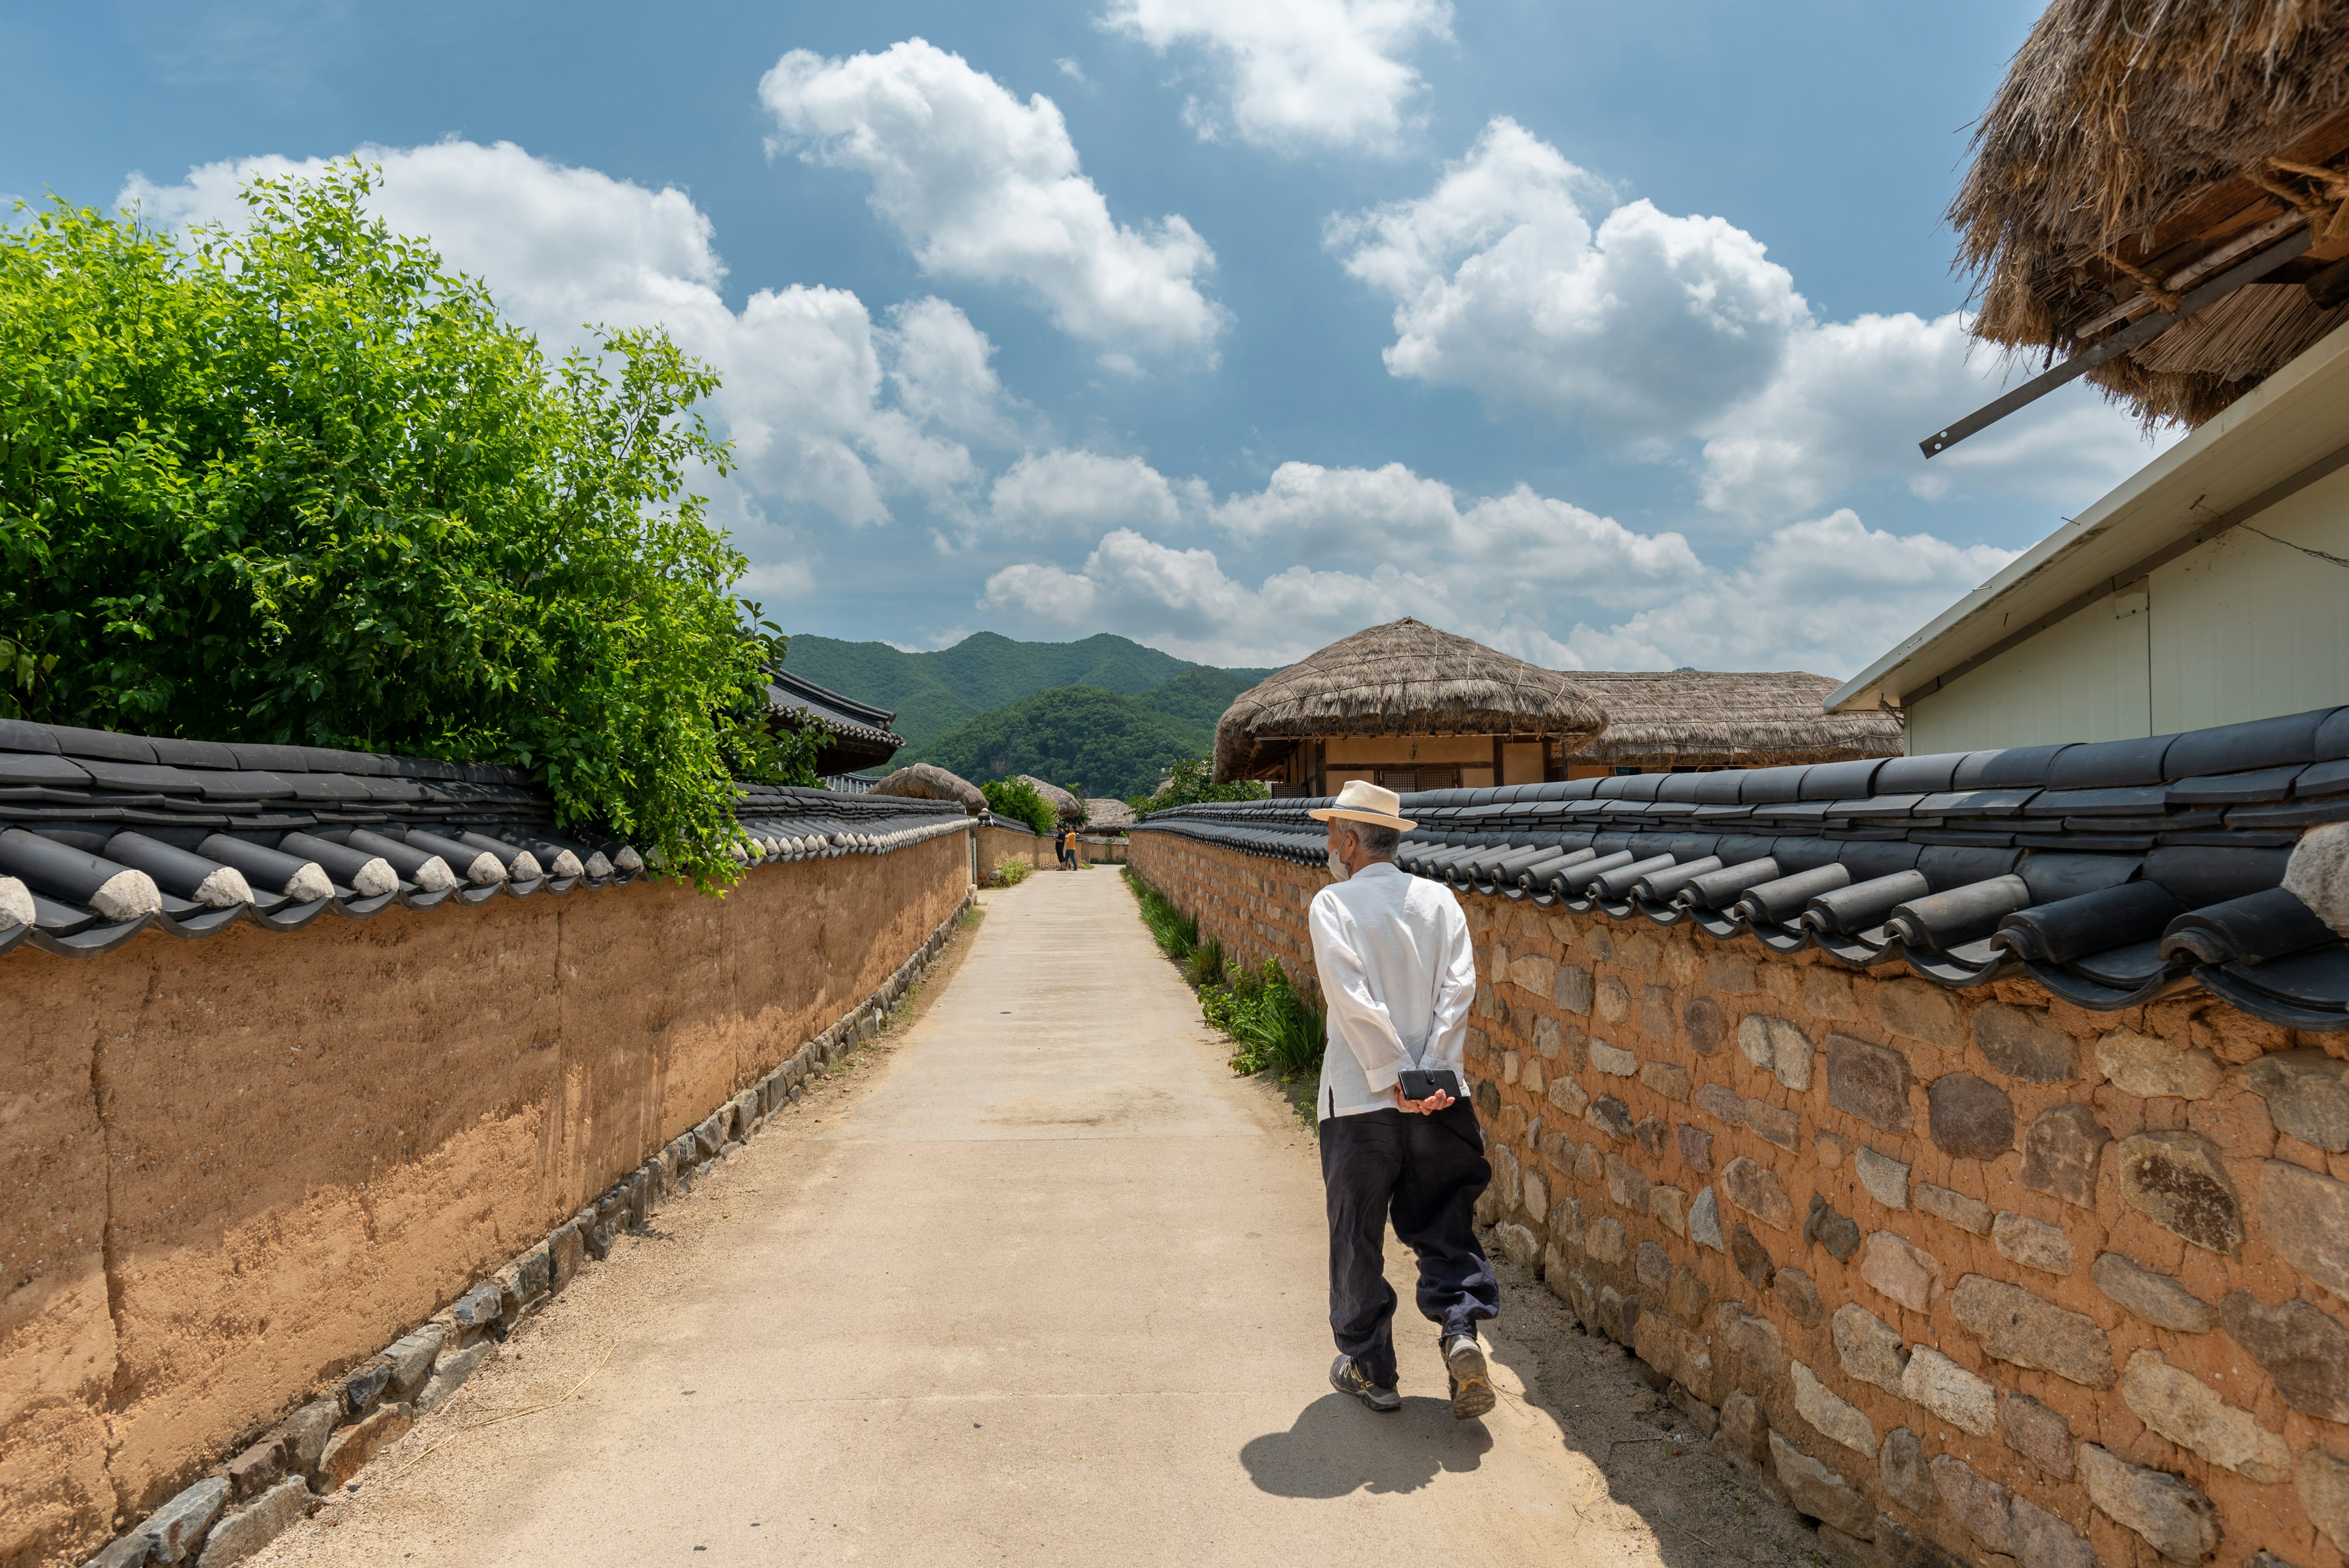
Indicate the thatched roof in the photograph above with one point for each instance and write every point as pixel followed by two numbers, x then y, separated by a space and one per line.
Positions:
pixel 927 781
pixel 1401 678
pixel 1727 719
pixel 2133 143
pixel 1065 807
pixel 1107 815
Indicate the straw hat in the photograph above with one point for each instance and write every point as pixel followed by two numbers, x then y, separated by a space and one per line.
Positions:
pixel 1363 801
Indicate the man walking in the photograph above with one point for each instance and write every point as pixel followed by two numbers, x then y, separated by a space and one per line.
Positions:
pixel 1398 974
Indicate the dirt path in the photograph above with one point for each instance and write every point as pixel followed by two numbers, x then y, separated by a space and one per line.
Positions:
pixel 1038 1283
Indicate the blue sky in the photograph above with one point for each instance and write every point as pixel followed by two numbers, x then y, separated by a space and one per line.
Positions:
pixel 1603 333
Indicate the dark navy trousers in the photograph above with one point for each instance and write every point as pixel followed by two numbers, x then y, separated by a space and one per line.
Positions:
pixel 1424 1173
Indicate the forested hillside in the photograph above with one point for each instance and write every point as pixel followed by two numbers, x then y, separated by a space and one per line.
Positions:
pixel 936 692
pixel 1083 739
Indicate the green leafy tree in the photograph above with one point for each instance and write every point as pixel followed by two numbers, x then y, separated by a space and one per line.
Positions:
pixel 1018 799
pixel 297 483
pixel 1192 781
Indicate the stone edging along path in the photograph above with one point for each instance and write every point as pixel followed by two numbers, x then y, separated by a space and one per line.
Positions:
pixel 242 1504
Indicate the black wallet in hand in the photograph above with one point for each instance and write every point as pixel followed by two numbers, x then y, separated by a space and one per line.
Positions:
pixel 1418 1084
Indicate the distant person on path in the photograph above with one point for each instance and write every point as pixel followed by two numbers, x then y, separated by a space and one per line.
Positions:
pixel 1399 974
pixel 1064 845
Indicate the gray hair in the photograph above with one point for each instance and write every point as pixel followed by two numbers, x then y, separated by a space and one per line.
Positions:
pixel 1377 843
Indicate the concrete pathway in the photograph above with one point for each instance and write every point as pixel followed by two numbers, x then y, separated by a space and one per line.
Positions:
pixel 1050 1289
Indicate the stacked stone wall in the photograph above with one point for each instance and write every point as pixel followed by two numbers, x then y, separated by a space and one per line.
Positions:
pixel 1968 1273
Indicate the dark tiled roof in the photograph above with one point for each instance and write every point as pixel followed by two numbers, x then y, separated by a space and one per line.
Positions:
pixel 789 695
pixel 2111 872
pixel 103 835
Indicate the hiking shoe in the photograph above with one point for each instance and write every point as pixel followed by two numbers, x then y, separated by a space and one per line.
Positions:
pixel 1472 1385
pixel 1346 1376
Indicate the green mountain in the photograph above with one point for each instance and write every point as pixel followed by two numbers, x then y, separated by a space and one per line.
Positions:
pixel 936 692
pixel 1198 696
pixel 1081 738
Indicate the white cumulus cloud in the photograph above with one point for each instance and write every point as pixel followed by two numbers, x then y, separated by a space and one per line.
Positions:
pixel 1081 492
pixel 983 187
pixel 1519 276
pixel 1318 73
pixel 828 409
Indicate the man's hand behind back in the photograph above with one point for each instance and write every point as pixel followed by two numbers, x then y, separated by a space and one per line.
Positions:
pixel 1438 1100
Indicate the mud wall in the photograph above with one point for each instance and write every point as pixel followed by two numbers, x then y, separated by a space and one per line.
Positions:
pixel 1001 847
pixel 1966 1271
pixel 240 1165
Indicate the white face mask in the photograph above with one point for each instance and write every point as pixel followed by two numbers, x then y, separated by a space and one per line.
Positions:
pixel 1338 872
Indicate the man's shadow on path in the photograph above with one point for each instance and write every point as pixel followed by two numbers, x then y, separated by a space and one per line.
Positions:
pixel 1336 1447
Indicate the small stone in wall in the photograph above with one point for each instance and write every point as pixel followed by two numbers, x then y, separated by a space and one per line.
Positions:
pixel 1702 1019
pixel 1517 1243
pixel 1705 1221
pixel 355 1445
pixel 2022 1042
pixel 1798 1297
pixel 1831 1229
pixel 1603 1241
pixel 2032 1243
pixel 1752 1259
pixel 1572 990
pixel 2005 1523
pixel 2149 1068
pixel 1695 1147
pixel 1773 1124
pixel 1587 1165
pixel 1669 1079
pixel 1901 1463
pixel 1751 1355
pixel 1536 1191
pixel 1883 1178
pixel 1903 1272
pixel 2307 1094
pixel 1830 1415
pixel 1743 1428
pixel 2178 1182
pixel 1534 974
pixel 1613 1060
pixel 1868 1348
pixel 1610 1115
pixel 2301 1347
pixel 2322 1482
pixel 2188 1412
pixel 1686 1297
pixel 1920 1010
pixel 1720 1104
pixel 1652 1265
pixel 1870 1082
pixel 1971 1118
pixel 1507 1179
pixel 1566 1222
pixel 175 1529
pixel 1779 1048
pixel 1756 1191
pixel 2027 1330
pixel 1532 1076
pixel 1614 1000
pixel 248 1528
pixel 1669 1207
pixel 1819 1493
pixel 1656 1013
pixel 2177 1520
pixel 1567 1095
pixel 1827 995
pixel 1949 1391
pixel 2060 1151
pixel 1830 1150
pixel 2155 1297
pixel 1626 1187
pixel 1953 1208
pixel 2037 1433
pixel 1650 1131
pixel 1731 972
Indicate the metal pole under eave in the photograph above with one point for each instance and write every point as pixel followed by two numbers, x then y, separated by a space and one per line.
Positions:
pixel 2134 336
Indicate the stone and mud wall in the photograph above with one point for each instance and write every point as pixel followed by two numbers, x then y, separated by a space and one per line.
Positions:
pixel 1976 1274
pixel 238 1166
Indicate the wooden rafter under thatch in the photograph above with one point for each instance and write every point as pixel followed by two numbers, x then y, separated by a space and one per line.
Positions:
pixel 2139 148
pixel 1727 718
pixel 1404 678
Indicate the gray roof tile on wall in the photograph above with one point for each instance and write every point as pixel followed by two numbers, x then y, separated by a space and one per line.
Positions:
pixel 82 811
pixel 2112 872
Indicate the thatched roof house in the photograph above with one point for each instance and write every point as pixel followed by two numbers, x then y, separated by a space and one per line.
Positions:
pixel 927 781
pixel 1406 706
pixel 1065 807
pixel 2142 157
pixel 1106 815
pixel 1659 720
